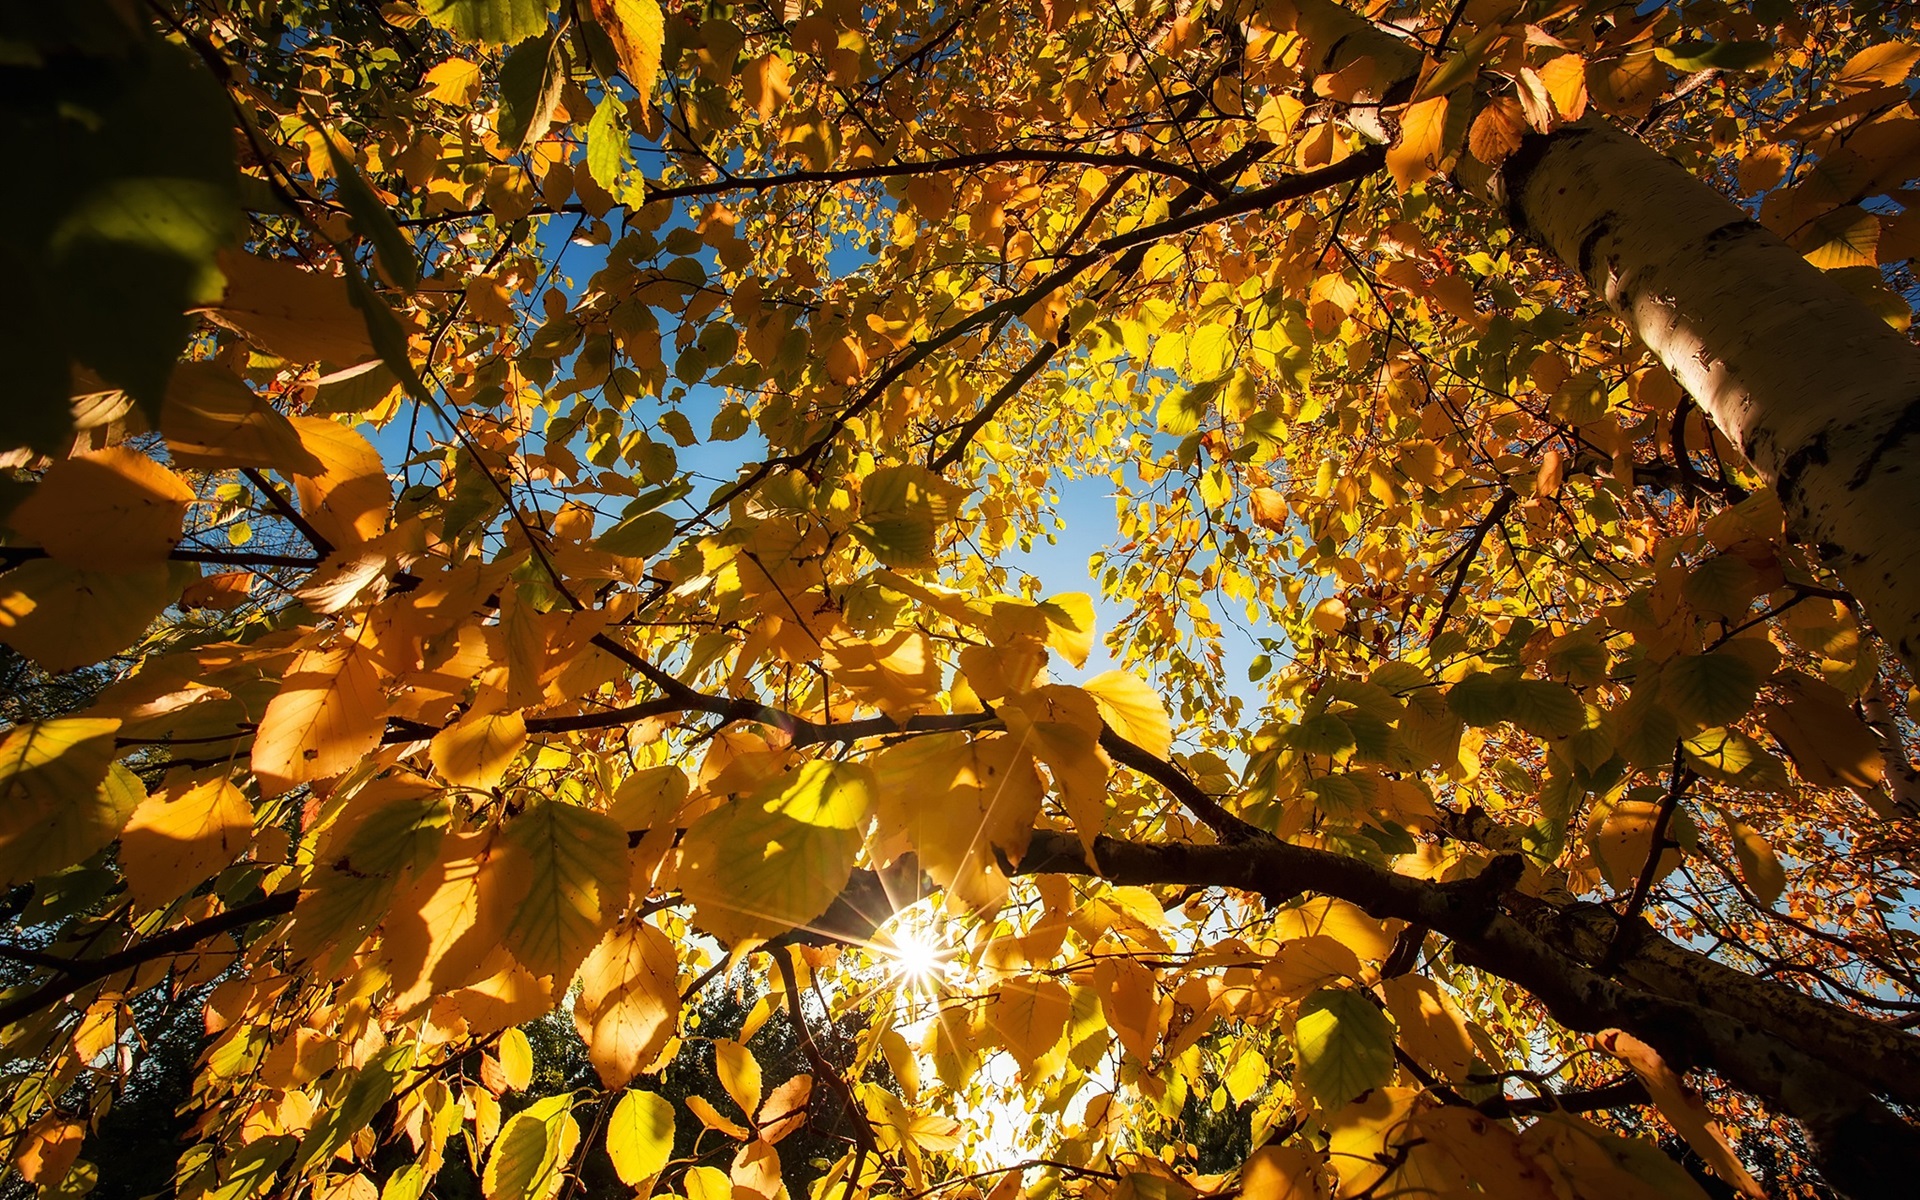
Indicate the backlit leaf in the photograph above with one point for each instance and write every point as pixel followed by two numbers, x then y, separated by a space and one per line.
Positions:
pixel 640 1136
pixel 1343 1046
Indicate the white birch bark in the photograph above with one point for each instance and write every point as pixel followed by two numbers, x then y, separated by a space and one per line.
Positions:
pixel 1821 395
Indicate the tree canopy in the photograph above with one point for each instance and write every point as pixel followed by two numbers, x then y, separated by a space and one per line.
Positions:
pixel 516 512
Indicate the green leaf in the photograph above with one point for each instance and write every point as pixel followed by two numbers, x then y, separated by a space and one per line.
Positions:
pixel 641 536
pixel 1545 709
pixel 1343 1046
pixel 488 22
pixel 607 141
pixel 531 77
pixel 1715 56
pixel 640 1136
pixel 901 510
pixel 1710 689
pixel 1731 757
pixel 371 218
pixel 1722 586
pixel 112 237
pixel 754 873
pixel 1482 698
pixel 578 886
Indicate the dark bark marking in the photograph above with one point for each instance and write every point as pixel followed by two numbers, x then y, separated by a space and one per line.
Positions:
pixel 1904 426
pixel 1812 454
pixel 1522 163
pixel 1721 238
pixel 1588 244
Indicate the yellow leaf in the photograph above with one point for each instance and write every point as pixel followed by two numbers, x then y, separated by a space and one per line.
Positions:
pixel 47 1150
pixel 629 1003
pixel 755 1173
pixel 785 1108
pixel 1829 745
pixel 1061 727
pixel 329 714
pixel 960 803
pixel 1329 616
pixel 1070 625
pixel 576 889
pixel 182 834
pixel 62 797
pixel 509 997
pixel 1283 1173
pixel 708 1183
pixel 1131 1000
pixel 476 750
pixel 1421 146
pixel 1878 66
pixel 1330 917
pixel 347 501
pixel 213 420
pixel 1680 1105
pixel 528 1159
pixel 714 1119
pixel 739 1073
pixel 1028 1016
pixel 772 862
pixel 64 617
pixel 640 1136
pixel 1431 1028
pixel 443 929
pixel 516 1059
pixel 1269 509
pixel 1133 710
pixel 1623 840
pixel 455 81
pixel 1759 866
pixel 108 510
pixel 896 672
pixel 292 313
pixel 1565 79
pixel 1588 1163
pixel 636 30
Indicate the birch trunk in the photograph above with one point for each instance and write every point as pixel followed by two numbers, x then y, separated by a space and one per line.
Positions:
pixel 1821 395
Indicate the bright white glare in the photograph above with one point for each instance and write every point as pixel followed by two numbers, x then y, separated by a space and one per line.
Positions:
pixel 916 955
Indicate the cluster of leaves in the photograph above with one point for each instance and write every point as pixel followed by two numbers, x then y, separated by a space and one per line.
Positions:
pixel 514 508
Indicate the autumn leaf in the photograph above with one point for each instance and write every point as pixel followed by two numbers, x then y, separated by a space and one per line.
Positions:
pixel 640 1136
pixel 629 1003
pixel 1418 152
pixel 109 510
pixel 62 796
pixel 636 30
pixel 182 834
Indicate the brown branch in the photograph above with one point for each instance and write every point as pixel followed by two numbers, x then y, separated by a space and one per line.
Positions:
pixel 824 1071
pixel 73 974
pixel 1650 870
pixel 13 556
pixel 1467 554
pixel 285 508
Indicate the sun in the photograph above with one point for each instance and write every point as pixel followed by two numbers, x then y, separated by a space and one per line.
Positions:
pixel 916 955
